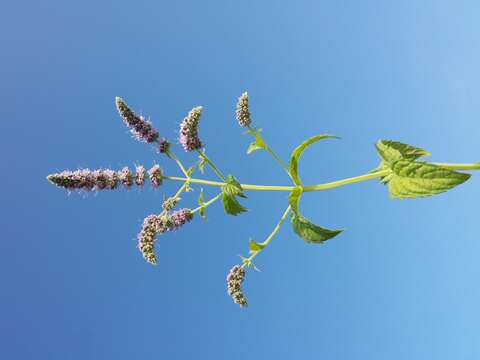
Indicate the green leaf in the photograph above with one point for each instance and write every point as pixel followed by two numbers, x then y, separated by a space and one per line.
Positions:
pixel 231 205
pixel 254 246
pixel 391 151
pixel 411 179
pixel 201 203
pixel 304 228
pixel 294 198
pixel 299 150
pixel 258 144
pixel 230 191
pixel 310 232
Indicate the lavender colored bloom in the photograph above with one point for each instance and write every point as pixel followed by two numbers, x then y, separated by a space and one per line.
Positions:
pixel 139 127
pixel 163 146
pixel 243 114
pixel 85 179
pixel 126 177
pixel 155 174
pixel 234 281
pixel 180 218
pixel 146 238
pixel 140 175
pixel 189 130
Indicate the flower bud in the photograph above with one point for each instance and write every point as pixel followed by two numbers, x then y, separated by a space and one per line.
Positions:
pixel 163 146
pixel 243 113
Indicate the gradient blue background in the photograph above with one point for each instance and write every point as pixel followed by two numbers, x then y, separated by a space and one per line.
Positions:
pixel 401 283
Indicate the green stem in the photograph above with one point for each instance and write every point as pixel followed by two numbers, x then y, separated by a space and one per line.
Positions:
pixel 208 203
pixel 318 187
pixel 179 163
pixel 270 237
pixel 209 162
pixel 274 155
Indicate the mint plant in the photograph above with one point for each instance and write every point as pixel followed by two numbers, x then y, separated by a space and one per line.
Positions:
pixel 399 169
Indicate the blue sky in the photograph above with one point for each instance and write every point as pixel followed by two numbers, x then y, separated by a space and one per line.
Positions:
pixel 400 283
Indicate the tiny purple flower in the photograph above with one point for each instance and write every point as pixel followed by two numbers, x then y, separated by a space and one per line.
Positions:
pixel 180 218
pixel 155 174
pixel 125 176
pixel 163 146
pixel 140 175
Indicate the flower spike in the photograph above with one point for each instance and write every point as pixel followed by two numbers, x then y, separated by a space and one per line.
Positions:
pixel 189 130
pixel 146 238
pixel 139 127
pixel 243 113
pixel 234 282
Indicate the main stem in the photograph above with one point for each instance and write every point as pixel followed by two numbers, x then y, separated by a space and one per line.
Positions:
pixel 318 187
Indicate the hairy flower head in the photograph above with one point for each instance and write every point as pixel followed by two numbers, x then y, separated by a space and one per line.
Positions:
pixel 163 146
pixel 85 179
pixel 126 177
pixel 156 177
pixel 139 175
pixel 234 281
pixel 146 238
pixel 180 218
pixel 188 135
pixel 139 127
pixel 243 113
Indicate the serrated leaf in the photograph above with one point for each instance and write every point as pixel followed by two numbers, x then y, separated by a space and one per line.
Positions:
pixel 254 246
pixel 201 203
pixel 299 150
pixel 391 151
pixel 310 232
pixel 231 205
pixel 258 144
pixel 411 179
pixel 294 198
pixel 230 190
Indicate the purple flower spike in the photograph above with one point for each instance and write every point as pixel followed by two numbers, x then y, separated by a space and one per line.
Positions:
pixel 140 175
pixel 140 128
pixel 234 281
pixel 155 174
pixel 163 146
pixel 180 218
pixel 189 130
pixel 85 179
pixel 146 239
